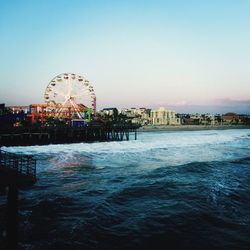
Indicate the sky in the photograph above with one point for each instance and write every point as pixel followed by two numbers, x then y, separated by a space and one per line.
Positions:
pixel 187 55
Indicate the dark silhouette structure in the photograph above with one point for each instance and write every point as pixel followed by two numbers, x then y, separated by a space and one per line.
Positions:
pixel 16 171
pixel 26 136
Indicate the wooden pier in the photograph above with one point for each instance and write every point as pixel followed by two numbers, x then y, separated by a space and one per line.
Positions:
pixel 16 171
pixel 59 135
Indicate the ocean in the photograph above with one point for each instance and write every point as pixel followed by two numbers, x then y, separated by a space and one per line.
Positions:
pixel 166 190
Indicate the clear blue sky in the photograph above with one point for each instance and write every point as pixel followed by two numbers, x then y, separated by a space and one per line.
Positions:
pixel 184 54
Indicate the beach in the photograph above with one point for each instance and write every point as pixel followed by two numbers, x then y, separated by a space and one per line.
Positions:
pixel 151 128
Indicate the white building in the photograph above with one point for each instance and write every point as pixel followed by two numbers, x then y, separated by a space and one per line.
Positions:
pixel 163 116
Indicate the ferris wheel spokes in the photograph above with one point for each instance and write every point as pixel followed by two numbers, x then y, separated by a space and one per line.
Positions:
pixel 76 109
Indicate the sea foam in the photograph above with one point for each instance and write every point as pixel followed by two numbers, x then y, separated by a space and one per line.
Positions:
pixel 154 149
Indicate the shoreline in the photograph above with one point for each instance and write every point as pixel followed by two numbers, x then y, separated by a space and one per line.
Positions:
pixel 159 128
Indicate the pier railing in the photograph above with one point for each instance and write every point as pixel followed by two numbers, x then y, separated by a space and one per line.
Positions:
pixel 21 164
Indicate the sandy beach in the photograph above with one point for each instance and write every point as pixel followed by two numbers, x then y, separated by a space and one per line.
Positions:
pixel 150 128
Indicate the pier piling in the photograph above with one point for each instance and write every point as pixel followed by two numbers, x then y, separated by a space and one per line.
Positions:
pixel 12 218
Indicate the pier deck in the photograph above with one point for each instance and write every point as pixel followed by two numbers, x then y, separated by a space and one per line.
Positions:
pixel 58 135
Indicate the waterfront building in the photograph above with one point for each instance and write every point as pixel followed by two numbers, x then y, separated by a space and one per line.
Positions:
pixel 233 118
pixel 230 118
pixel 137 115
pixel 163 116
pixel 108 112
pixel 202 119
pixel 2 108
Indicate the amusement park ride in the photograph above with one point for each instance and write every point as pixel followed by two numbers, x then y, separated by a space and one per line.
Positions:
pixel 67 97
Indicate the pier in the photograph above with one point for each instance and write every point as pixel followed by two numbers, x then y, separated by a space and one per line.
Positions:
pixel 45 135
pixel 16 171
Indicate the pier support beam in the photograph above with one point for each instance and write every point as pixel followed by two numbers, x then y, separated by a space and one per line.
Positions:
pixel 12 218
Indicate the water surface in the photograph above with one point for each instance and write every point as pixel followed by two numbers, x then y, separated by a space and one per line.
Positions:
pixel 167 190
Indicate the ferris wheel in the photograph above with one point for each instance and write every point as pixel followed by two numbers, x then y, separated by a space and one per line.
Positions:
pixel 70 94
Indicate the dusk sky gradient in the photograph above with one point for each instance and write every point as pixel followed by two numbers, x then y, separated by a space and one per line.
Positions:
pixel 189 55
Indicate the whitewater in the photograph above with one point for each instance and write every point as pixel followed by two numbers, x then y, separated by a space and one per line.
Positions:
pixel 154 149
